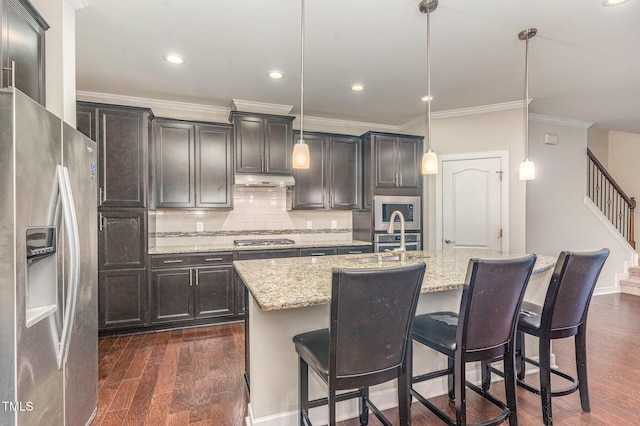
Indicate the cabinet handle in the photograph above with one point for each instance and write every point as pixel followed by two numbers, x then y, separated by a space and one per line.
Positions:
pixel 262 164
pixel 172 261
pixel 101 198
pixel 197 278
pixel 13 73
pixel 190 278
pixel 214 259
pixel 396 180
pixel 355 251
pixel 400 175
pixel 330 200
pixel 101 223
pixel 318 254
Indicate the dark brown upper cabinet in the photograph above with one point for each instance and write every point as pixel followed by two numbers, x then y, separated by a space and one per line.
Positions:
pixel 192 165
pixel 264 143
pixel 122 134
pixel 334 177
pixel 22 53
pixel 391 165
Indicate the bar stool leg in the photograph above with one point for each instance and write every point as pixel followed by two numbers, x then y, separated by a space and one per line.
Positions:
pixel 404 399
pixel 545 380
pixel 303 391
pixel 510 386
pixel 581 367
pixel 521 365
pixel 485 370
pixel 460 390
pixel 332 406
pixel 362 406
pixel 451 379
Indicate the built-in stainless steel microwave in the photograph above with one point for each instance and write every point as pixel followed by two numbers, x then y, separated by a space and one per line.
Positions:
pixel 385 205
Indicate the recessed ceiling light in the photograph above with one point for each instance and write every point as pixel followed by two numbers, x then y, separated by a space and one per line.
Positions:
pixel 276 75
pixel 426 98
pixel 357 87
pixel 174 59
pixel 613 2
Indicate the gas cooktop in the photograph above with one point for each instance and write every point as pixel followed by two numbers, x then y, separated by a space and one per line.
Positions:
pixel 264 242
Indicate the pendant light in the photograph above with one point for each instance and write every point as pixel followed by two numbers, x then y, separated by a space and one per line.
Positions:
pixel 527 169
pixel 301 149
pixel 429 158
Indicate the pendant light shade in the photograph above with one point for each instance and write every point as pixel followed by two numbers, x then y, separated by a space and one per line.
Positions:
pixel 301 158
pixel 301 155
pixel 429 158
pixel 429 163
pixel 527 168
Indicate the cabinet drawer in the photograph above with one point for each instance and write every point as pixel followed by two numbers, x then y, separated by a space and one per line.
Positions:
pixel 322 251
pixel 265 254
pixel 200 259
pixel 354 249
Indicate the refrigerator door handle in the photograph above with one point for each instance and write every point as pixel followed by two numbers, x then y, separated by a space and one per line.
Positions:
pixel 73 241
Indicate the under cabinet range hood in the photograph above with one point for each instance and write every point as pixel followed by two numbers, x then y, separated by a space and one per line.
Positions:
pixel 264 180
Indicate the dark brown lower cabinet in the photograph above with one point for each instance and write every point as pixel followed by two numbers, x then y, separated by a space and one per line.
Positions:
pixel 123 298
pixel 122 269
pixel 191 292
pixel 214 292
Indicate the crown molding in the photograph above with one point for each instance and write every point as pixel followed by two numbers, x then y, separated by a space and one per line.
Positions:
pixel 151 103
pixel 260 107
pixel 346 125
pixel 482 109
pixel 79 4
pixel 560 121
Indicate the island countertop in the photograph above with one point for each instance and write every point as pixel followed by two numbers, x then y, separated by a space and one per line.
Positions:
pixel 288 283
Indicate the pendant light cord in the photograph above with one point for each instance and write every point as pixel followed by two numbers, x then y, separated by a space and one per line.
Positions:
pixel 526 100
pixel 302 71
pixel 428 120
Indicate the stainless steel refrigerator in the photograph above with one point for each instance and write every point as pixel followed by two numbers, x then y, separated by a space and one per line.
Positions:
pixel 48 268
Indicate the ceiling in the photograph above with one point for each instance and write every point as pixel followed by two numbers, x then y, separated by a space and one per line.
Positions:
pixel 584 64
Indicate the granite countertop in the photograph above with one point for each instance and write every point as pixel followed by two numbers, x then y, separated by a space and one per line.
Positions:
pixel 288 283
pixel 206 248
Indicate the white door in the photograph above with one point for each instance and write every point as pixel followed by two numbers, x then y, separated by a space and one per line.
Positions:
pixel 472 203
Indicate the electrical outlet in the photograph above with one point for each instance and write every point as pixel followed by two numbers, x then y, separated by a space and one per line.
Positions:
pixel 334 224
pixel 309 224
pixel 199 226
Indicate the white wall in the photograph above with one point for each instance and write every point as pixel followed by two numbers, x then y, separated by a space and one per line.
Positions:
pixel 557 216
pixel 624 155
pixel 489 131
pixel 60 64
pixel 598 143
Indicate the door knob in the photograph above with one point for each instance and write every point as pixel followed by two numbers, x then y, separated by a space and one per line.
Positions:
pixel 449 241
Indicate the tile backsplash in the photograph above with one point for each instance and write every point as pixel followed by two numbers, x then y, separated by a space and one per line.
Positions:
pixel 257 213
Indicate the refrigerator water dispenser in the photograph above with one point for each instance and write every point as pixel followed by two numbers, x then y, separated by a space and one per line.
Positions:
pixel 42 274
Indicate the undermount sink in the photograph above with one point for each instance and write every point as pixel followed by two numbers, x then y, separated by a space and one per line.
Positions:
pixel 376 259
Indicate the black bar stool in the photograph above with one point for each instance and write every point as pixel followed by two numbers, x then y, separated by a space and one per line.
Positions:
pixel 484 329
pixel 564 314
pixel 372 312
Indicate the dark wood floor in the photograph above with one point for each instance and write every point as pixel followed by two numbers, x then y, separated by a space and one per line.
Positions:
pixel 194 376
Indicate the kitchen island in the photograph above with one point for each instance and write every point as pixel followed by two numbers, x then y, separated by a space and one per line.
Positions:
pixel 291 296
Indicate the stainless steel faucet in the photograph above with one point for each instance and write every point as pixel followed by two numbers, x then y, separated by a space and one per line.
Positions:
pixel 402 250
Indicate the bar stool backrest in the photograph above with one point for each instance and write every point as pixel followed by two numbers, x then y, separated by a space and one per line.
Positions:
pixel 491 300
pixel 372 313
pixel 570 290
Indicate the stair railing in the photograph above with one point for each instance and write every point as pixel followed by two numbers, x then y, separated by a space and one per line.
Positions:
pixel 605 192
